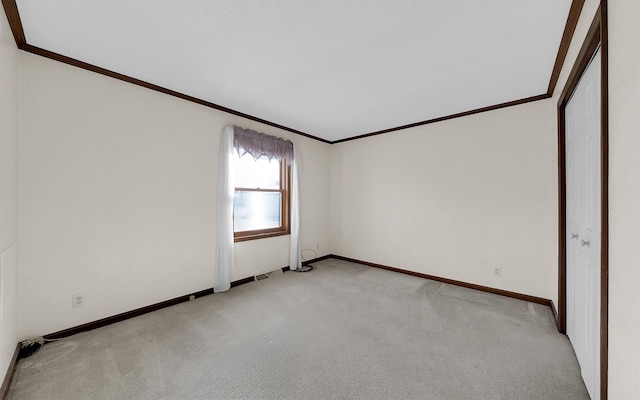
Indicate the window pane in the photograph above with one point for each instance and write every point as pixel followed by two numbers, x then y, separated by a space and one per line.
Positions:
pixel 256 174
pixel 256 210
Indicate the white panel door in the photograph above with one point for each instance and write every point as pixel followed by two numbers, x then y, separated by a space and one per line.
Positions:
pixel 583 196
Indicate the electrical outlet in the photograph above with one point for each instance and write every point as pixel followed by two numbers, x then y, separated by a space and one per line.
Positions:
pixel 497 271
pixel 77 300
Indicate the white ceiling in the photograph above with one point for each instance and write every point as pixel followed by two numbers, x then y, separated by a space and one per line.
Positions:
pixel 330 68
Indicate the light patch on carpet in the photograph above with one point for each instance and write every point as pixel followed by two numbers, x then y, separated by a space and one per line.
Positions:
pixel 488 299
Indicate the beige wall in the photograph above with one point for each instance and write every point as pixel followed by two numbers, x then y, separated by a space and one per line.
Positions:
pixel 624 197
pixel 455 199
pixel 118 197
pixel 8 194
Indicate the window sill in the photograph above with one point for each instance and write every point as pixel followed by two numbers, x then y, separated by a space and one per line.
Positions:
pixel 259 235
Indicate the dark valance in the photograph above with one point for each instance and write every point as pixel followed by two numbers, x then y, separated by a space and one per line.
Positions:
pixel 260 144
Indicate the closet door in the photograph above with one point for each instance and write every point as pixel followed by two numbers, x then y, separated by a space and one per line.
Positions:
pixel 583 201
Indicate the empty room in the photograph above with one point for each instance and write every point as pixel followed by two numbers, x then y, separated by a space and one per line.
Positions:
pixel 358 199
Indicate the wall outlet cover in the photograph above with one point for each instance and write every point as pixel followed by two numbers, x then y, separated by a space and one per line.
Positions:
pixel 77 300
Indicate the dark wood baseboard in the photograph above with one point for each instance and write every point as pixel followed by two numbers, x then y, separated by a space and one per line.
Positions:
pixel 4 390
pixel 126 315
pixel 314 260
pixel 181 299
pixel 138 311
pixel 519 296
pixel 153 307
pixel 242 281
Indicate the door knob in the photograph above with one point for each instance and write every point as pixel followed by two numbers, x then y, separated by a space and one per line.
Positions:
pixel 584 243
pixel 574 236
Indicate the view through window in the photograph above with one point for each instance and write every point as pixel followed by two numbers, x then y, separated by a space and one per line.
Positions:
pixel 260 201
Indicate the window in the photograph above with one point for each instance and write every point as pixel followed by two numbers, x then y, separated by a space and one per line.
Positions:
pixel 261 199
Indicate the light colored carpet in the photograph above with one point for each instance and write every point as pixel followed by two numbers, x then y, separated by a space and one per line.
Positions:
pixel 343 331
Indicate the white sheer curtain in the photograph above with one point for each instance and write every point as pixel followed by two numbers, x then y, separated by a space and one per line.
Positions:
pixel 295 259
pixel 254 141
pixel 224 245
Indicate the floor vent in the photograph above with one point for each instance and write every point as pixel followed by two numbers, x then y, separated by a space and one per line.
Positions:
pixel 266 275
pixel 262 276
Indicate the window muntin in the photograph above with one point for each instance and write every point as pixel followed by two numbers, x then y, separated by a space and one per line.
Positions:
pixel 261 200
pixel 260 173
